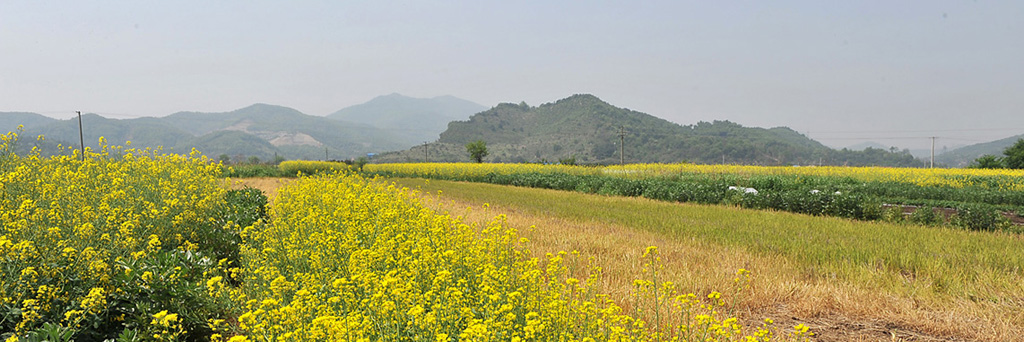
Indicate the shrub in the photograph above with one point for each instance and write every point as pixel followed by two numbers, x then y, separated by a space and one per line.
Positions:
pixel 979 217
pixel 925 215
pixel 892 213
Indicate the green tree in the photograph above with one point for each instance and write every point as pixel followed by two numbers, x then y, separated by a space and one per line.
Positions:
pixel 1014 155
pixel 477 150
pixel 987 161
pixel 360 162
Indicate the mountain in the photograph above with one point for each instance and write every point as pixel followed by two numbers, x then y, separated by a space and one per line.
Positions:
pixel 9 121
pixel 581 127
pixel 293 133
pixel 413 120
pixel 235 144
pixel 142 132
pixel 963 156
pixel 590 130
pixel 260 130
pixel 866 144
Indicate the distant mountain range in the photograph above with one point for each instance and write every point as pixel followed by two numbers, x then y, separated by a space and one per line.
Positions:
pixel 413 121
pixel 581 127
pixel 589 130
pixel 386 123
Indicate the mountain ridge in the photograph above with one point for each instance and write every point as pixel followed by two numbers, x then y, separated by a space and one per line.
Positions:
pixel 586 129
pixel 580 127
pixel 964 156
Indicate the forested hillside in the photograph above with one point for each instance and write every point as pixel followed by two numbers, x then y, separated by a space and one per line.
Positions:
pixel 584 129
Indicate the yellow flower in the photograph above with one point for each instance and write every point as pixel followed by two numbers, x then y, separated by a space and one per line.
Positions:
pixel 164 319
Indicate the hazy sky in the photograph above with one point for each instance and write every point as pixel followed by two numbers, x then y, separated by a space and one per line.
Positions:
pixel 839 71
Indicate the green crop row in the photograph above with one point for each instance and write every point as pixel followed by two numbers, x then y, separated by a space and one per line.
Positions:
pixel 976 208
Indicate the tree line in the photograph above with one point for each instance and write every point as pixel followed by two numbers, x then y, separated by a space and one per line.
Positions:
pixel 1013 158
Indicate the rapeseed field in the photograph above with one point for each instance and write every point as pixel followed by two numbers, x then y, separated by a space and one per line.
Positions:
pixel 137 245
pixel 113 244
pixel 349 258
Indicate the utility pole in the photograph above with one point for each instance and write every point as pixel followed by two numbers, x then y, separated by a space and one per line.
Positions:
pixel 325 154
pixel 426 158
pixel 622 145
pixel 81 136
pixel 933 153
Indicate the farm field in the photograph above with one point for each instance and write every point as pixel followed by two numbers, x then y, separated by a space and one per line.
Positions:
pixel 129 245
pixel 963 198
pixel 848 280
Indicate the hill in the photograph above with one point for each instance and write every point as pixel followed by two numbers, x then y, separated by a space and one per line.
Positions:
pixel 262 131
pixel 9 121
pixel 294 134
pixel 588 129
pixel 142 132
pixel 415 120
pixel 864 145
pixel 236 145
pixel 963 156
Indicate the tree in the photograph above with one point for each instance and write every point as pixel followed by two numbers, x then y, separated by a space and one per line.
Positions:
pixel 1014 155
pixel 987 161
pixel 360 162
pixel 477 150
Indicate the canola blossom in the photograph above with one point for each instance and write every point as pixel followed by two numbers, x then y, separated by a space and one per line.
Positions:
pixel 100 246
pixel 349 258
pixel 1001 179
pixel 1004 179
pixel 138 245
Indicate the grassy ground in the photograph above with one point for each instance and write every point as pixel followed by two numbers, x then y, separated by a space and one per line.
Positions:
pixel 847 280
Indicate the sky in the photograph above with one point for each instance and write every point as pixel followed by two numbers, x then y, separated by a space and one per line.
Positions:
pixel 841 72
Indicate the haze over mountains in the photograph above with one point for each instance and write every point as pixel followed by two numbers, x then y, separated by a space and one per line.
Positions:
pixel 386 123
pixel 412 120
pixel 582 128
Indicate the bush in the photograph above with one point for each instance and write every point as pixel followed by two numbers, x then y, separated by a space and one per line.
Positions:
pixel 925 216
pixel 893 213
pixel 979 217
pixel 243 208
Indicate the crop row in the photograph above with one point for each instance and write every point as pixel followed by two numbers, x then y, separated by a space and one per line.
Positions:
pixel 978 207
